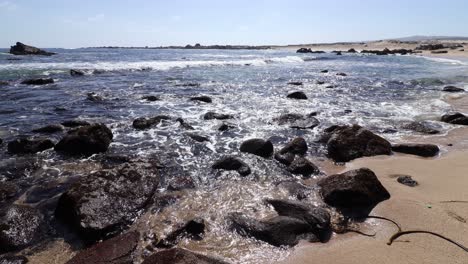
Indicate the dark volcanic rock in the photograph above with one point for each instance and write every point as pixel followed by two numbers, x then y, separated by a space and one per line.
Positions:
pixel 184 124
pixel 303 167
pixel 117 250
pixel 297 146
pixel 22 49
pixel 105 202
pixel 298 121
pixel 297 95
pixel 295 83
pixel 455 118
pixel 7 190
pixel 94 97
pixel 151 98
pixel 180 256
pixel 49 129
pixel 86 140
pixel 204 99
pixel 407 180
pixel 232 163
pixel 308 50
pixel 147 122
pixel 213 115
pixel 356 188
pixel 453 89
pixel 324 71
pixel 21 226
pixel 285 158
pixel 225 127
pixel 257 146
pixel 423 150
pixel 295 189
pixel 76 72
pixel 10 259
pixel 75 123
pixel 38 81
pixel 198 138
pixel 421 127
pixel 352 51
pixel 29 145
pixel 341 74
pixel 193 229
pixel 351 142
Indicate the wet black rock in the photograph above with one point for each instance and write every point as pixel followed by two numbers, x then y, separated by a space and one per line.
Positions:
pixel 184 124
pixel 320 82
pixel 308 50
pixel 225 127
pixel 430 47
pixel 105 202
pixel 94 97
pixel 117 250
pixel 75 123
pixel 324 71
pixel 180 182
pixel 298 121
pixel 26 145
pixel 421 127
pixel 297 95
pixel 455 118
pixel 198 138
pixel 193 229
pixel 188 85
pixel 148 122
pixel 11 259
pixel 352 51
pixel 295 189
pixel 453 89
pixel 285 158
pixel 213 115
pixel 151 98
pixel 86 140
pixel 353 189
pixel 3 83
pixel 19 167
pixel 21 226
pixel 439 51
pixel 297 146
pixel 204 99
pixel 407 180
pixel 302 166
pixel 76 72
pixel 338 53
pixel 295 83
pixel 50 129
pixel 38 81
pixel 22 49
pixel 180 256
pixel 8 190
pixel 423 150
pixel 341 74
pixel 232 163
pixel 257 146
pixel 346 143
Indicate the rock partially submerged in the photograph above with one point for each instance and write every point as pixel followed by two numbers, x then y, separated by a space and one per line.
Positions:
pixel 455 118
pixel 308 50
pixel 105 202
pixel 151 98
pixel 50 129
pixel 117 250
pixel 22 49
pixel 232 163
pixel 148 122
pixel 75 123
pixel 258 146
pixel 193 229
pixel 346 143
pixel 39 81
pixel 86 140
pixel 213 115
pixel 180 256
pixel 297 96
pixel 421 127
pixel 423 150
pixel 353 189
pixel 203 98
pixel 453 89
pixel 26 145
pixel 302 166
pixel 298 121
pixel 76 72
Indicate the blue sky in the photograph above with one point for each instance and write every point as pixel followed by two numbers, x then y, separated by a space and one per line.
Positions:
pixel 65 23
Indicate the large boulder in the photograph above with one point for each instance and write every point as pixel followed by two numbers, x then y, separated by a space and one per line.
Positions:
pixel 297 95
pixel 38 81
pixel 455 118
pixel 180 256
pixel 117 250
pixel 232 163
pixel 453 89
pixel 351 142
pixel 86 140
pixel 302 166
pixel 298 121
pixel 25 145
pixel 105 202
pixel 257 146
pixel 423 150
pixel 297 146
pixel 353 189
pixel 20 226
pixel 22 49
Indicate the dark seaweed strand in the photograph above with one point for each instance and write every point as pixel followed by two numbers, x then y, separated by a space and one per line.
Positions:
pixel 360 232
pixel 398 234
pixel 387 219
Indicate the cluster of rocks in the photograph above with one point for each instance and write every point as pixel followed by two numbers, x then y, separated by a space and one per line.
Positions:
pixel 308 50
pixel 387 51
pixel 438 46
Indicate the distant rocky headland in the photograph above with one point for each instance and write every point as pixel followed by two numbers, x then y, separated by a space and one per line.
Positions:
pixel 196 46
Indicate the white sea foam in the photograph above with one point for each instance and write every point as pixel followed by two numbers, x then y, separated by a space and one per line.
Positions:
pixel 445 60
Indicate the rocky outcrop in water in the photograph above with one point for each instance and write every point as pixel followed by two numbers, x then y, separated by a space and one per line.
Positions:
pixel 453 89
pixel 295 189
pixel 295 221
pixel 455 118
pixel 198 138
pixel 50 129
pixel 430 47
pixel 257 146
pixel 193 229
pixel 117 250
pixel 180 256
pixel 351 50
pixel 421 127
pixel 204 99
pixel 213 115
pixel 86 140
pixel 148 122
pixel 353 189
pixel 386 51
pixel 76 72
pixel 296 83
pixel 38 81
pixel 151 98
pixel 26 145
pixel 297 96
pixel 232 163
pixel 423 150
pixel 308 50
pixel 22 49
pixel 105 202
pixel 21 226
pixel 75 123
pixel 298 121
pixel 346 143
pixel 94 97
pixel 302 166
